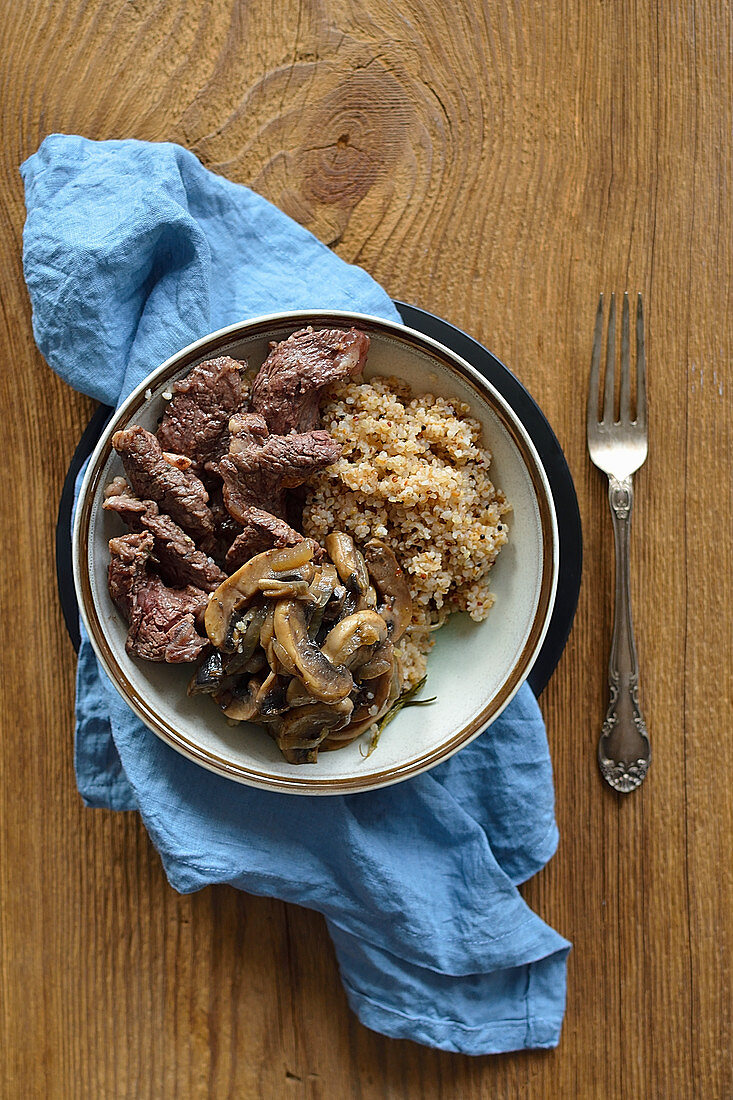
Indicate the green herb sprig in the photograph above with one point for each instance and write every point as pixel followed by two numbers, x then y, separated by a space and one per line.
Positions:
pixel 406 699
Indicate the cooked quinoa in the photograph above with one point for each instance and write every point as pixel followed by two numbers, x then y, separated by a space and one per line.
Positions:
pixel 414 473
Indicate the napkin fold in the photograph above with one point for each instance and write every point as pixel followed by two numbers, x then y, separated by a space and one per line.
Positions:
pixel 131 251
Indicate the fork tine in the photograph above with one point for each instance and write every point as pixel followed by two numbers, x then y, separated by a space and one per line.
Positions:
pixel 610 364
pixel 640 365
pixel 624 404
pixel 595 364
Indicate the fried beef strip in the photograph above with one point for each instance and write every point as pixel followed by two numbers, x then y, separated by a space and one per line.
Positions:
pixel 288 385
pixel 117 487
pixel 178 493
pixel 259 468
pixel 162 621
pixel 175 553
pixel 262 531
pixel 226 528
pixel 196 420
pixel 247 429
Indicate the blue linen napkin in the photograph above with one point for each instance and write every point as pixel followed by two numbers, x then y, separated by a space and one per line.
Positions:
pixel 131 251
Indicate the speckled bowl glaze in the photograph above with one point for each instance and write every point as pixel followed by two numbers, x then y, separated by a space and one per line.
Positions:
pixel 474 669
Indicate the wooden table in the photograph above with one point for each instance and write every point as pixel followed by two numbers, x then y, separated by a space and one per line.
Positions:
pixel 498 164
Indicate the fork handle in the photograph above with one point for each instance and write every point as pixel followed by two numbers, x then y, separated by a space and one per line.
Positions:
pixel 623 750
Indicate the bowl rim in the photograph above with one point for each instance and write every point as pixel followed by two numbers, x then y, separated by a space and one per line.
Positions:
pixel 251 776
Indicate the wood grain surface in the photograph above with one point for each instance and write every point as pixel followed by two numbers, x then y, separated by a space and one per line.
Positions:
pixel 498 164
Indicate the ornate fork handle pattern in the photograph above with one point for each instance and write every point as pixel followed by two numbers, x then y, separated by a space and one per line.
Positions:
pixel 619 446
pixel 624 752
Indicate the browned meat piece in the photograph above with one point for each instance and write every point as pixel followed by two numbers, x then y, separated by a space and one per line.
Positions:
pixel 247 430
pixel 262 531
pixel 183 462
pixel 177 492
pixel 195 421
pixel 116 487
pixel 288 385
pixel 259 468
pixel 162 620
pixel 128 565
pixel 226 528
pixel 175 553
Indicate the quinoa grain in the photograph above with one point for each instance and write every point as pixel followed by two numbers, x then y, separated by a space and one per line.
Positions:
pixel 413 471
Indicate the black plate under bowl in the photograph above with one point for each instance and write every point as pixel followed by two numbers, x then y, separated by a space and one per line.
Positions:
pixel 525 407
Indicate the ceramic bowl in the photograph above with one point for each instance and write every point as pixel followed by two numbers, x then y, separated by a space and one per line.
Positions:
pixel 474 669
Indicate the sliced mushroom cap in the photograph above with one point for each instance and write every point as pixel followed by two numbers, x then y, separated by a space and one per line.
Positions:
pixel 335 607
pixel 349 606
pixel 259 700
pixel 323 679
pixel 297 694
pixel 256 663
pixel 371 710
pixel 349 562
pixel 368 600
pixel 389 580
pixel 303 729
pixel 208 676
pixel 239 703
pixel 380 661
pixel 325 581
pixel 322 588
pixel 267 630
pixel 236 591
pixel 270 697
pixel 243 637
pixel 291 587
pixel 283 658
pixel 364 717
pixel 353 640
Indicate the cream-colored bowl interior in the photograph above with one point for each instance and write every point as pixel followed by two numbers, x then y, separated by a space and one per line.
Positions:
pixel 474 668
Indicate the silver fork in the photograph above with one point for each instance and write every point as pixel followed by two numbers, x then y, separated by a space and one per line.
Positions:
pixel 619 448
